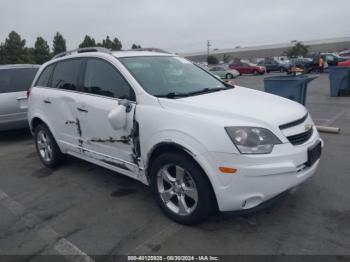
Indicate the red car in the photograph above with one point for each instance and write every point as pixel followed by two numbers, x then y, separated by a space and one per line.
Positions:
pixel 345 63
pixel 248 68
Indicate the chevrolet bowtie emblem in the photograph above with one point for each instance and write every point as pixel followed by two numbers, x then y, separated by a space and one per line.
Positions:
pixel 307 127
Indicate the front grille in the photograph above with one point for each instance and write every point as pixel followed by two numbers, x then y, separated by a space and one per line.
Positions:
pixel 294 123
pixel 300 138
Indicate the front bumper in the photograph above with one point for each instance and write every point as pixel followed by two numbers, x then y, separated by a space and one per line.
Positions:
pixel 258 177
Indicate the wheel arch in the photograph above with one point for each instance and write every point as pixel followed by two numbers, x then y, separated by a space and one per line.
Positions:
pixel 36 120
pixel 162 147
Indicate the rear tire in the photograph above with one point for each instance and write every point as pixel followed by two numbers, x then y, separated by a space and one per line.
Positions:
pixel 181 188
pixel 47 148
pixel 229 76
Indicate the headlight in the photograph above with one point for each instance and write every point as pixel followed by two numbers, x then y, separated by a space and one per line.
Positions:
pixel 252 140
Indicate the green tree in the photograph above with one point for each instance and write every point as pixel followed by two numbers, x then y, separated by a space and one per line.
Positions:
pixel 112 45
pixel 13 51
pixel 28 54
pixel 41 51
pixel 297 50
pixel 106 43
pixel 59 44
pixel 135 46
pixel 116 44
pixel 212 60
pixel 2 54
pixel 87 42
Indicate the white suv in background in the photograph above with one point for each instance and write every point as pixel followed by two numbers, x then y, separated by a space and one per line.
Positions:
pixel 200 143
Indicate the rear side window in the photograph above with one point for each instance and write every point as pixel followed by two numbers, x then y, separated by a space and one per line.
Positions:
pixel 45 76
pixel 66 73
pixel 5 80
pixel 101 78
pixel 16 79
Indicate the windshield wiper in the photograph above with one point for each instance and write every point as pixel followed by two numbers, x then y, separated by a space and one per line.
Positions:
pixel 208 90
pixel 173 95
pixel 202 91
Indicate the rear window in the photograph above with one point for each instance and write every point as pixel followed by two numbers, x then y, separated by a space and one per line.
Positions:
pixel 66 73
pixel 16 79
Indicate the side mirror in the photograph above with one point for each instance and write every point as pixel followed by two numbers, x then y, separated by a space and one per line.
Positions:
pixel 117 117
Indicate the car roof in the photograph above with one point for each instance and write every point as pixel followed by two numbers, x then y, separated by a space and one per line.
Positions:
pixel 10 66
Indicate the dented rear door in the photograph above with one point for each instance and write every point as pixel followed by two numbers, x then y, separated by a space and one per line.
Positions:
pixel 60 103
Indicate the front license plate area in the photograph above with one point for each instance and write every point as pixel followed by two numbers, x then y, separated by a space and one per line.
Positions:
pixel 314 153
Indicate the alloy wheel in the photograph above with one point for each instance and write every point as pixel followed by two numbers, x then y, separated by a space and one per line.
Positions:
pixel 177 189
pixel 44 146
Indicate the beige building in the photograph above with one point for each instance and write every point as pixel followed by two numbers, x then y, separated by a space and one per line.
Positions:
pixel 253 52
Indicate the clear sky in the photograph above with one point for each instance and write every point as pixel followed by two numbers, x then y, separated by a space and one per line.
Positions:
pixel 177 25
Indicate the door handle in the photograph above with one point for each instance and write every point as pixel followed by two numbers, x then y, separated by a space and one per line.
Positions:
pixel 82 110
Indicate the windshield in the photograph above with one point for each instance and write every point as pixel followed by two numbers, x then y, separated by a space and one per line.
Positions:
pixel 164 75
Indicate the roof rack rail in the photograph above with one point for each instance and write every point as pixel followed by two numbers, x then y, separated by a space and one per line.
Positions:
pixel 83 50
pixel 151 49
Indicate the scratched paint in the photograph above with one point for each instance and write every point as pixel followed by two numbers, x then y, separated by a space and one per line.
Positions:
pixel 119 165
pixel 77 123
pixel 122 139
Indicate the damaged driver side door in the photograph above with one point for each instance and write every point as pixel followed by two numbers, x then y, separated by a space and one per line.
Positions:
pixel 107 97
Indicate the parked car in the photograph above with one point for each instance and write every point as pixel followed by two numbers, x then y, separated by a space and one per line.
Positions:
pixel 333 59
pixel 197 141
pixel 15 80
pixel 306 64
pixel 224 72
pixel 273 65
pixel 345 63
pixel 248 68
pixel 345 53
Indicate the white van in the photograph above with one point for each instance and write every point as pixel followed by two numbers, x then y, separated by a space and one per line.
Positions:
pixel 200 143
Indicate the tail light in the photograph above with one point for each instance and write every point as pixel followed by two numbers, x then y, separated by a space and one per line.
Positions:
pixel 28 92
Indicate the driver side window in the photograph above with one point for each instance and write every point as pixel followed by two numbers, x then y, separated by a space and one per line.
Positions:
pixel 101 78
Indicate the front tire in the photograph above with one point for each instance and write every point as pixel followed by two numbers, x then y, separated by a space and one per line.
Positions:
pixel 47 148
pixel 181 188
pixel 229 76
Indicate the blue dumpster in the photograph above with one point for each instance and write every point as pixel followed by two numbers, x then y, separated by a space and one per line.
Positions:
pixel 339 78
pixel 291 87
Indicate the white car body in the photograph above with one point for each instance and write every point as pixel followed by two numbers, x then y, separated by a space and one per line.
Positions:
pixel 195 124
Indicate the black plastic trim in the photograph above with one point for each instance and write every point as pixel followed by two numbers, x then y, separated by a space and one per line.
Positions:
pixel 294 123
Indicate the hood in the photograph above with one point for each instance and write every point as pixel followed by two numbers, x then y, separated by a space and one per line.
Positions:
pixel 241 105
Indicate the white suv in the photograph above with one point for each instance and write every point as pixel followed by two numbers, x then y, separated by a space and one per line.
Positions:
pixel 199 143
